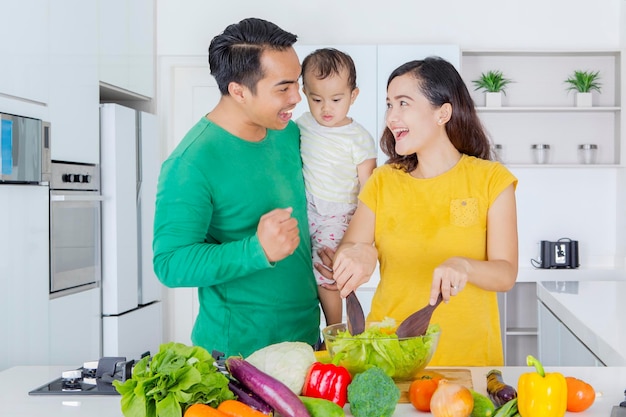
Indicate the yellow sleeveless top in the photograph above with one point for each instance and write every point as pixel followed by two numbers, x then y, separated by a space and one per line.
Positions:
pixel 419 224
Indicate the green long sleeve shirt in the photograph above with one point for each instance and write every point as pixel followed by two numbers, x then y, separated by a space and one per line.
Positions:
pixel 212 191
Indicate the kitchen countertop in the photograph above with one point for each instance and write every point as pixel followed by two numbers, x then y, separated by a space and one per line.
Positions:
pixel 15 383
pixel 583 273
pixel 595 311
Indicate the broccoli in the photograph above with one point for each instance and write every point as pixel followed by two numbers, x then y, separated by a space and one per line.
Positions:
pixel 373 394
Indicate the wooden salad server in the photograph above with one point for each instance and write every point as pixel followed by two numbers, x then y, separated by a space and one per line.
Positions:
pixel 417 323
pixel 356 317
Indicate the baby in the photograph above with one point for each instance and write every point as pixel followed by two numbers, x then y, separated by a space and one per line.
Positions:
pixel 338 156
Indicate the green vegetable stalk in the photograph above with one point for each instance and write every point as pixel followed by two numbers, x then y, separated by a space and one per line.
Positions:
pixel 171 381
pixel 373 394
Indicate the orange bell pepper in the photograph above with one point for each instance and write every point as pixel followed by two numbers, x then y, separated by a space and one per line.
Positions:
pixel 541 394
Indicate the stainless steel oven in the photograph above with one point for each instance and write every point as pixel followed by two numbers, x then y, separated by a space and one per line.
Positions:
pixel 75 228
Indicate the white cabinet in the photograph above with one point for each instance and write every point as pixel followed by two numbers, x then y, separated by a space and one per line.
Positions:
pixel 75 328
pixel 74 96
pixel 518 321
pixel 24 50
pixel 24 275
pixel 126 45
pixel 530 328
pixel 537 108
pixel 558 346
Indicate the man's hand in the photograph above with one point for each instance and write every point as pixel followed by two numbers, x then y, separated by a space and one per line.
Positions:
pixel 278 234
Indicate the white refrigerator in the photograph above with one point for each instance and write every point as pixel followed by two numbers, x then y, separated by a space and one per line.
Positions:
pixel 132 321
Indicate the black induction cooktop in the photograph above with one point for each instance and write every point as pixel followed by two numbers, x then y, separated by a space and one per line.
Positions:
pixel 93 378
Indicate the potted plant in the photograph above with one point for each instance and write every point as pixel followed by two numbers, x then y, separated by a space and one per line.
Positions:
pixel 494 84
pixel 584 82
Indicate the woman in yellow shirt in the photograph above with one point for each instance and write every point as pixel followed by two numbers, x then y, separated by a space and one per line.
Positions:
pixel 439 216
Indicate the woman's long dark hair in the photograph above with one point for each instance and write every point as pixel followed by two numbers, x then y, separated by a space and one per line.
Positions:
pixel 441 83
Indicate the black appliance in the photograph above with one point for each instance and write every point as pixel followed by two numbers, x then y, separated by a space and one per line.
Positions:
pixel 90 379
pixel 560 254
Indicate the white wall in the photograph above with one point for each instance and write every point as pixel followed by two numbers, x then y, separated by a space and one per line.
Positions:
pixel 186 27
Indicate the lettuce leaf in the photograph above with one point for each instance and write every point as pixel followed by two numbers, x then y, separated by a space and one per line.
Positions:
pixel 379 346
pixel 166 384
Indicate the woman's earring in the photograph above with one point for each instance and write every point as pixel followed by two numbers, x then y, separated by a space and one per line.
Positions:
pixel 440 121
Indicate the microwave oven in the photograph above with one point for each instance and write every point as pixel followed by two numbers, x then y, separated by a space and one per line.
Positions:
pixel 24 150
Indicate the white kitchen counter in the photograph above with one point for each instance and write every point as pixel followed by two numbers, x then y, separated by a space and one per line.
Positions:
pixel 15 383
pixel 583 273
pixel 595 311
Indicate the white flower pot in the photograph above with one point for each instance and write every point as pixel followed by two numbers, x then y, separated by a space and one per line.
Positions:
pixel 493 99
pixel 583 100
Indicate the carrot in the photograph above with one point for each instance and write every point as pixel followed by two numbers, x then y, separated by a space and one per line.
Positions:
pixel 234 408
pixel 203 410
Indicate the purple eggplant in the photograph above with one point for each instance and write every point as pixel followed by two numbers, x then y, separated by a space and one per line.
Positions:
pixel 248 397
pixel 268 388
pixel 499 392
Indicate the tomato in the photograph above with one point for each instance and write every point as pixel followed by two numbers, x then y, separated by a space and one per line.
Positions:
pixel 421 391
pixel 580 395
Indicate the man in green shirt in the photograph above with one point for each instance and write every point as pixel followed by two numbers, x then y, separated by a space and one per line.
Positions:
pixel 231 210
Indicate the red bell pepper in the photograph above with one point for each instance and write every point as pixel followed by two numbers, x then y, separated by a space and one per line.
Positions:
pixel 327 381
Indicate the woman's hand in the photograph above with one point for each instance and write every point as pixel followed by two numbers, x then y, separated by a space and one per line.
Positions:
pixel 353 266
pixel 449 278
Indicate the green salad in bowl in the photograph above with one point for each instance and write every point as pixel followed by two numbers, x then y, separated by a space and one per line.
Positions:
pixel 379 346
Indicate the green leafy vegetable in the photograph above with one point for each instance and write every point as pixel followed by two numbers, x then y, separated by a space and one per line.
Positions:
pixel 175 378
pixel 379 347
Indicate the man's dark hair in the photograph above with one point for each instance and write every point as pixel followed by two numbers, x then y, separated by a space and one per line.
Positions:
pixel 235 54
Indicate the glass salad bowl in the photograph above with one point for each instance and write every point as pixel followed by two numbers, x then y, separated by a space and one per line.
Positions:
pixel 378 345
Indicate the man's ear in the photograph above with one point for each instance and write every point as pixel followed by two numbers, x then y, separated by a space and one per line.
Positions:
pixel 237 91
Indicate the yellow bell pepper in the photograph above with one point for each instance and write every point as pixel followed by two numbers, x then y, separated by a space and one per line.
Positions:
pixel 540 394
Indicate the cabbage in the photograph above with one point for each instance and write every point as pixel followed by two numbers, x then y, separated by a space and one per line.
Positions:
pixel 287 362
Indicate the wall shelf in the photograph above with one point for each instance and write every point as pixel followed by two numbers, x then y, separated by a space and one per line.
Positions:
pixel 531 109
pixel 538 108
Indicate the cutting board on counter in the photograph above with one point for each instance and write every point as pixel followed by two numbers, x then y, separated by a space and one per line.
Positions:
pixel 458 376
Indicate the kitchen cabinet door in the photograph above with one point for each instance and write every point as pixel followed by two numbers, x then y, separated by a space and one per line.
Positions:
pixel 126 45
pixel 75 328
pixel 558 346
pixel 74 95
pixel 113 42
pixel 24 50
pixel 24 275
pixel 141 45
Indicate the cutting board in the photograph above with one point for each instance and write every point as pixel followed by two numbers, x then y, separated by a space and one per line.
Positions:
pixel 458 376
